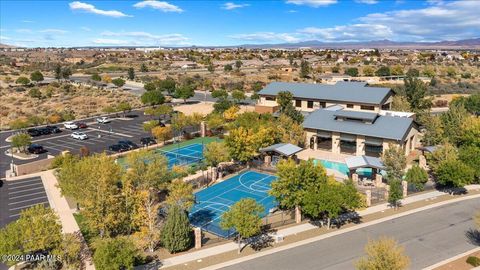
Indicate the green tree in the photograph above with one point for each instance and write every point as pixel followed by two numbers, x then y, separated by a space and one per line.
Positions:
pixel 36 76
pixel 35 93
pixel 384 253
pixel 284 100
pixel 180 193
pixel 470 156
pixel 66 73
pixel 21 141
pixel 227 68
pixel 241 144
pixel 396 193
pixel 22 80
pixel 184 92
pixel 397 70
pixel 37 229
pixel 395 162
pixel 18 124
pixel 245 218
pixel 305 69
pixel 150 86
pixel 124 107
pixel 216 153
pixel 290 131
pixel 58 72
pixel 417 176
pixel 417 95
pixel 446 151
pixel 211 68
pixel 238 64
pixel 131 73
pixel 352 71
pixel 168 85
pixel 176 233
pixel 143 68
pixel 400 103
pixel 70 251
pixel 152 98
pixel 215 122
pixel 238 96
pixel 453 172
pixel 429 72
pixel 434 131
pixel 368 71
pixel 114 253
pixel 327 201
pixel 220 94
pixel 452 120
pixel 118 82
pixel 383 71
pixel 221 105
pixel 470 131
pixel 412 72
pixel 96 77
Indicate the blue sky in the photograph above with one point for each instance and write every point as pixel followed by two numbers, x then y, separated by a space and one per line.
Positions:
pixel 203 23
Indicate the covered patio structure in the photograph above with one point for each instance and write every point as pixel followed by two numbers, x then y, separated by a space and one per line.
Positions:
pixel 276 152
pixel 361 162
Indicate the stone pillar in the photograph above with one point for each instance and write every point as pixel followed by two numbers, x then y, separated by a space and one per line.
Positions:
pixel 268 160
pixel 203 128
pixel 378 180
pixel 387 191
pixel 298 214
pixel 214 174
pixel 422 162
pixel 355 177
pixel 404 188
pixel 360 146
pixel 368 197
pixel 198 237
pixel 336 142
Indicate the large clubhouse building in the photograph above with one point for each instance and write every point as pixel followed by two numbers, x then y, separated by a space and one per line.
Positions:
pixel 347 117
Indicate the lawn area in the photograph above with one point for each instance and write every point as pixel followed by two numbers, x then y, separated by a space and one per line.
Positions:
pixel 87 235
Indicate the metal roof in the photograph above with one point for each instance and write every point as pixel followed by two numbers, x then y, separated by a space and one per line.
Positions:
pixel 368 116
pixel 386 127
pixel 364 162
pixel 286 149
pixel 356 92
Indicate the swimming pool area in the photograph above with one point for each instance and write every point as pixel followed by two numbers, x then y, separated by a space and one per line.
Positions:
pixel 342 168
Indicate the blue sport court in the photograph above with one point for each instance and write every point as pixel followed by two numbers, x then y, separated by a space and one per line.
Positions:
pixel 186 155
pixel 213 201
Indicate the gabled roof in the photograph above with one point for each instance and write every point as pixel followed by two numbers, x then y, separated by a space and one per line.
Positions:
pixel 356 92
pixel 367 116
pixel 364 162
pixel 386 127
pixel 286 149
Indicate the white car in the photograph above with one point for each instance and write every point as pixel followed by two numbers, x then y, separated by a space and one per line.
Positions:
pixel 70 125
pixel 103 120
pixel 79 136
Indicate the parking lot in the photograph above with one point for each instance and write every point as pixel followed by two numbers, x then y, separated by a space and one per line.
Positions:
pixel 18 195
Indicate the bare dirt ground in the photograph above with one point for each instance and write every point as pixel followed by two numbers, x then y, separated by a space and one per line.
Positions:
pixel 205 108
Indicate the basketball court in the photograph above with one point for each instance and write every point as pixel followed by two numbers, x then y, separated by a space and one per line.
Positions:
pixel 213 201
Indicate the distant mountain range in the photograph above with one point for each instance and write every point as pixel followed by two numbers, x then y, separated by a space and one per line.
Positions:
pixel 379 44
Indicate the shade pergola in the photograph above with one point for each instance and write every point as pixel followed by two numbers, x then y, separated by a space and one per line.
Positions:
pixel 358 162
pixel 429 149
pixel 283 149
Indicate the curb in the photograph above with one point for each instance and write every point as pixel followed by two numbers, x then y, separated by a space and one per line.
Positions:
pixel 431 267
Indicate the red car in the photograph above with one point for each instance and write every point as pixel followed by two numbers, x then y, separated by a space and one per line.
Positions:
pixel 82 125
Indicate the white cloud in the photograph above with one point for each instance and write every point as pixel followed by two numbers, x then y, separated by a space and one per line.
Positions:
pixel 312 3
pixel 53 31
pixel 231 5
pixel 368 2
pixel 160 5
pixel 92 9
pixel 267 37
pixel 353 32
pixel 148 38
pixel 2 38
pixel 23 30
pixel 84 28
pixel 107 41
pixel 27 21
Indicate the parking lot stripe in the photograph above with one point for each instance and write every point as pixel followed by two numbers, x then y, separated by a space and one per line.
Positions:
pixel 15 192
pixel 26 195
pixel 26 206
pixel 28 200
pixel 106 131
pixel 24 181
pixel 59 145
pixel 132 129
pixel 16 187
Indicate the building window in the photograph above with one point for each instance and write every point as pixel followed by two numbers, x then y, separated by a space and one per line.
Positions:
pixel 350 106
pixel 309 104
pixel 270 98
pixel 323 104
pixel 386 106
pixel 298 103
pixel 367 107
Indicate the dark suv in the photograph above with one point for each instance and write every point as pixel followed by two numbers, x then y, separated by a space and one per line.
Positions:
pixel 36 149
pixel 53 129
pixel 147 141
pixel 118 148
pixel 129 144
pixel 33 132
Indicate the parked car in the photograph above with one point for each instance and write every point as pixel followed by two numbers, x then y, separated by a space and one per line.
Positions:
pixel 117 148
pixel 36 149
pixel 79 135
pixel 129 144
pixel 44 131
pixel 33 132
pixel 103 120
pixel 53 129
pixel 147 141
pixel 81 125
pixel 70 125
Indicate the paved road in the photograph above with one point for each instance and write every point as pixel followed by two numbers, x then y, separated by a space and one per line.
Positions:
pixel 428 236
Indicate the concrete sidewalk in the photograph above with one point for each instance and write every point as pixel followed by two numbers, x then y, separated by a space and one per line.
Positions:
pixel 196 255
